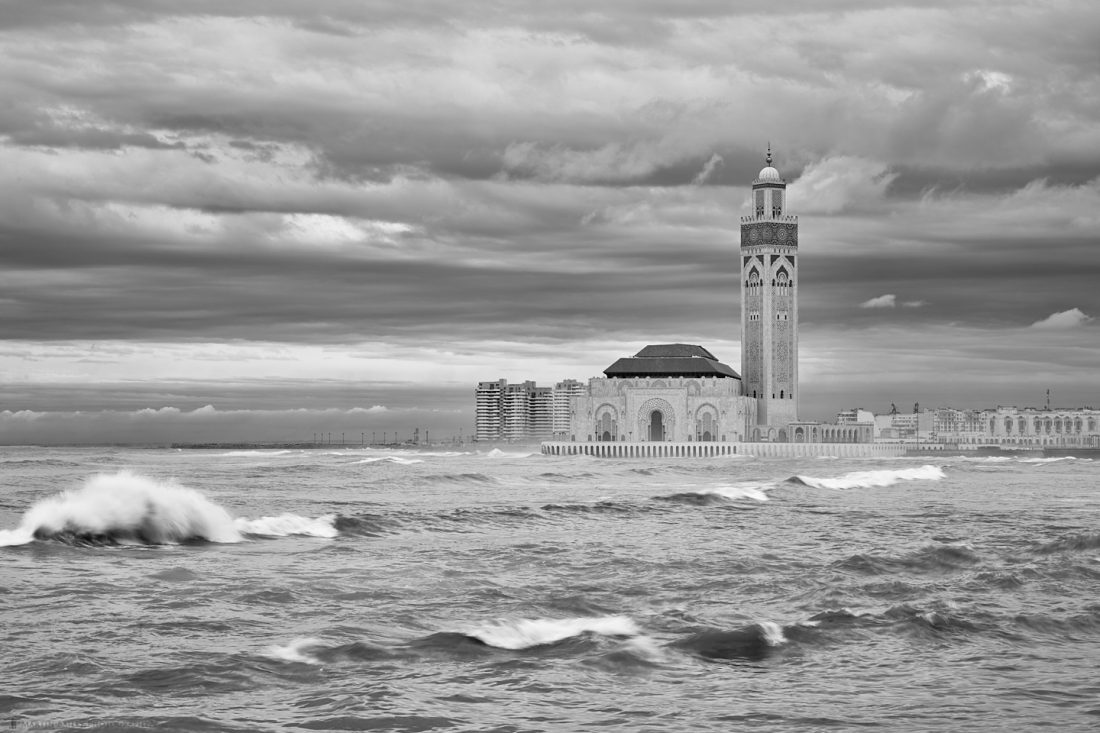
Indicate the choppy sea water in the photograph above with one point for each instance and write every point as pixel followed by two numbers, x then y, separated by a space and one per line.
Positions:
pixel 465 591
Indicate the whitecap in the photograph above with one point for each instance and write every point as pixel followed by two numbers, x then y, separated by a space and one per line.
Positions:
pixel 125 505
pixel 739 491
pixel 295 651
pixel 773 633
pixel 498 453
pixel 869 479
pixel 391 459
pixel 19 536
pixel 286 525
pixel 646 648
pixel 526 633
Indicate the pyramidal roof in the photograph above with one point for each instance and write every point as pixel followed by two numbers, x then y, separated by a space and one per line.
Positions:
pixel 670 360
pixel 662 350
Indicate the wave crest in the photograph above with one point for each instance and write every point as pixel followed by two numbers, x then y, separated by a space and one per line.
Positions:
pixel 286 525
pixel 527 633
pixel 871 479
pixel 125 507
pixel 719 494
pixel 753 643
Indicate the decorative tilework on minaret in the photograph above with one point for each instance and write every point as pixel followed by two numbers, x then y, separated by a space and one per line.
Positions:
pixel 769 303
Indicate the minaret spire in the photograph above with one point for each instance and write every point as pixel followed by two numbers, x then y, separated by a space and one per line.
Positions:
pixel 768 159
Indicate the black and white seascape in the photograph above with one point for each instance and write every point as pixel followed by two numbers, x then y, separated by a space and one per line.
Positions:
pixel 510 591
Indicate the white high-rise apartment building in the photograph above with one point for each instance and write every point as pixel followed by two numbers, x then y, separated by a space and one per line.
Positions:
pixel 563 408
pixel 489 413
pixel 523 411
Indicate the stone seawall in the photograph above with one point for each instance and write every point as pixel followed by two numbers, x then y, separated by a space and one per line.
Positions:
pixel 711 450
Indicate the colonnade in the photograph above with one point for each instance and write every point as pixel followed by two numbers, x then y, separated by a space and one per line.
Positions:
pixel 658 449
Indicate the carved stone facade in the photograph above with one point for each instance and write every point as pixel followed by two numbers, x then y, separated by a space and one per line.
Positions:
pixel 672 409
pixel 681 393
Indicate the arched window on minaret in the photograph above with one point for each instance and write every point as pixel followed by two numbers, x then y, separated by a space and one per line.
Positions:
pixel 760 202
pixel 754 281
pixel 777 203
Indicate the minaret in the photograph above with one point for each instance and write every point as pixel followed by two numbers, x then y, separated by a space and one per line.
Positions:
pixel 769 303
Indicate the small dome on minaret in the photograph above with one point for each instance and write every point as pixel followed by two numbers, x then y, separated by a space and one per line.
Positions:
pixel 769 174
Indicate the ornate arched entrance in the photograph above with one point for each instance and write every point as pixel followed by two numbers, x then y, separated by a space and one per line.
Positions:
pixel 656 425
pixel 656 420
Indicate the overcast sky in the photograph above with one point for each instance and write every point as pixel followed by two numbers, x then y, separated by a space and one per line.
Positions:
pixel 262 219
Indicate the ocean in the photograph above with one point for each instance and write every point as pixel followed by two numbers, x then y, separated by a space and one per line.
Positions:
pixel 456 590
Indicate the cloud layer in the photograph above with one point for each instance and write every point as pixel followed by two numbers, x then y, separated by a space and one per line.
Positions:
pixel 358 192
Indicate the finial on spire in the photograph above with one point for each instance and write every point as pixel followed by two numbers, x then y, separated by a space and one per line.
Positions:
pixel 769 158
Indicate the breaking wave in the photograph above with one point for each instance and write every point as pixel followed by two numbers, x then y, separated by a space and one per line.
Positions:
pixel 719 494
pixel 125 507
pixel 527 633
pixel 296 651
pixel 871 479
pixel 286 525
pixel 392 459
pixel 498 453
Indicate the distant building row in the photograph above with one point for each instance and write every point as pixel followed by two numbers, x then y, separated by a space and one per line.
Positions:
pixel 1006 427
pixel 523 411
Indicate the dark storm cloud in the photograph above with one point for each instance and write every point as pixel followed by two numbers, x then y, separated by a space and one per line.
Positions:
pixel 534 175
pixel 943 104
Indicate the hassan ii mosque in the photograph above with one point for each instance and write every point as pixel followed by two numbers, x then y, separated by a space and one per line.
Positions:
pixel 679 399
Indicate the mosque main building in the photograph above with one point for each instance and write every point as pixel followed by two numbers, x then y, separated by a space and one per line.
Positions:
pixel 679 399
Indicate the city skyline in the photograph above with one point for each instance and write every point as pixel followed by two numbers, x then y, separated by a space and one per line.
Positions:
pixel 260 221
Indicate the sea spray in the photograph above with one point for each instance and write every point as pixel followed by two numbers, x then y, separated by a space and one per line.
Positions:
pixel 125 506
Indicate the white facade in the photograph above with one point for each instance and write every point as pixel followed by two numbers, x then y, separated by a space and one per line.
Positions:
pixel 1004 427
pixel 673 409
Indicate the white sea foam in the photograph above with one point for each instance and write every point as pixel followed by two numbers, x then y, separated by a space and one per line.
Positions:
pixel 254 453
pixel 735 491
pixel 400 460
pixel 498 453
pixel 987 459
pixel 286 525
pixel 527 633
pixel 645 647
pixel 19 536
pixel 127 505
pixel 773 633
pixel 1048 460
pixel 295 651
pixel 869 479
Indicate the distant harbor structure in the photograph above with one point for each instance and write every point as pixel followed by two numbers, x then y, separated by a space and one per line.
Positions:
pixel 680 400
